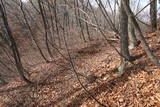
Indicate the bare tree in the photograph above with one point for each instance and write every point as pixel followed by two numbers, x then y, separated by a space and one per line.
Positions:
pixel 123 39
pixel 132 36
pixel 13 45
pixel 153 15
pixel 45 23
pixel 141 37
pixel 31 32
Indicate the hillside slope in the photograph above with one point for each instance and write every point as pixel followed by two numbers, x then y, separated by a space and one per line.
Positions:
pixel 138 87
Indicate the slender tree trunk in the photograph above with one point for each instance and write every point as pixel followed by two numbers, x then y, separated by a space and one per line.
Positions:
pixel 56 21
pixel 132 36
pixel 87 27
pixel 52 23
pixel 13 45
pixel 2 80
pixel 123 39
pixel 80 23
pixel 75 12
pixel 32 35
pixel 106 16
pixel 45 23
pixel 153 15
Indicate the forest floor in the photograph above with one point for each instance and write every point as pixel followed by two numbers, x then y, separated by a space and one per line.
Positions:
pixel 138 87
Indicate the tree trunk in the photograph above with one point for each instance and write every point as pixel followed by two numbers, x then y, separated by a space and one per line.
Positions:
pixel 153 15
pixel 132 36
pixel 123 39
pixel 13 46
pixel 45 23
pixel 31 32
pixel 2 81
pixel 141 37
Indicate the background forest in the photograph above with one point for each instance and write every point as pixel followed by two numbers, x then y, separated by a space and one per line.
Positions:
pixel 79 53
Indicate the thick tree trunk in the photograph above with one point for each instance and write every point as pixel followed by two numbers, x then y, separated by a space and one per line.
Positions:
pixel 123 39
pixel 141 37
pixel 153 15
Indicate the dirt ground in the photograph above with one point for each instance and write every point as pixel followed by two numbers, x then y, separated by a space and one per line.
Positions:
pixel 138 87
